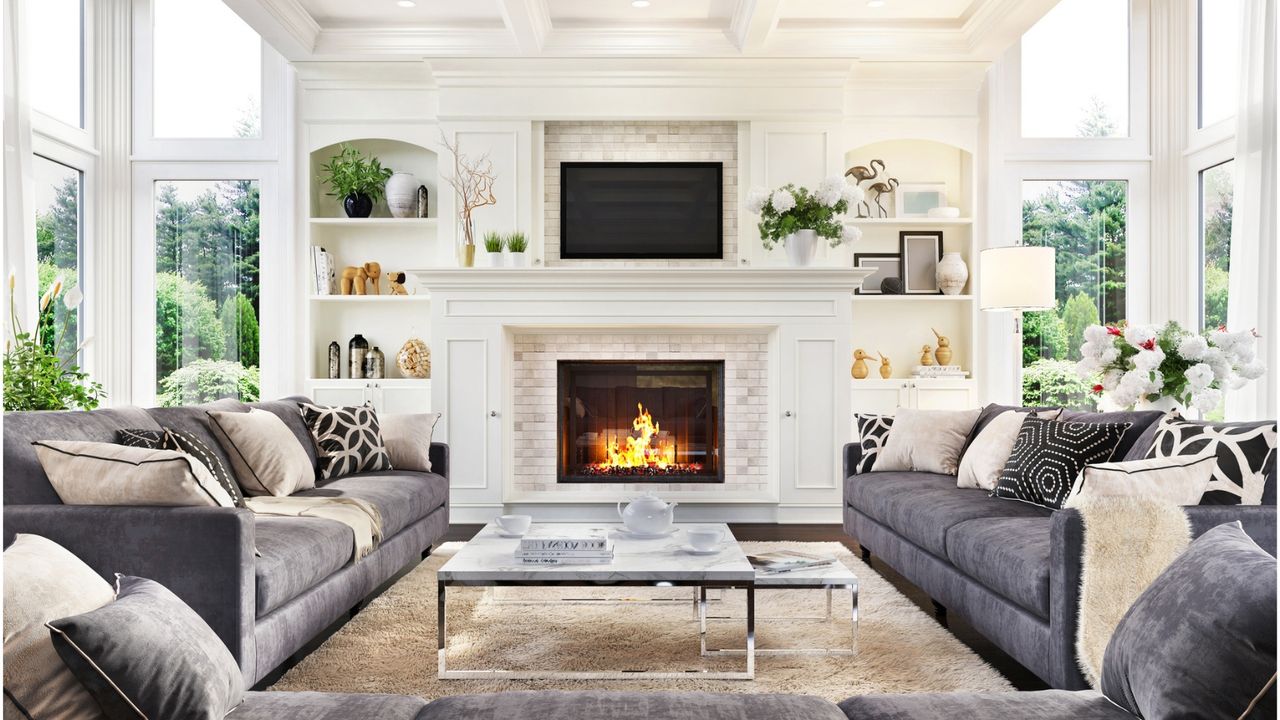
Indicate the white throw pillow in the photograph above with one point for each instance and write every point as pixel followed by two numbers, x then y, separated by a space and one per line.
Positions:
pixel 95 473
pixel 1175 480
pixel 926 441
pixel 266 455
pixel 408 440
pixel 985 457
pixel 43 582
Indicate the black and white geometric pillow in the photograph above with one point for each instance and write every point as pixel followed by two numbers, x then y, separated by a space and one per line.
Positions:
pixel 348 439
pixel 184 442
pixel 873 431
pixel 1246 455
pixel 1049 455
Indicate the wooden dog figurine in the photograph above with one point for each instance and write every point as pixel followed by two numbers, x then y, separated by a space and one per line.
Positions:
pixel 859 369
pixel 886 370
pixel 396 281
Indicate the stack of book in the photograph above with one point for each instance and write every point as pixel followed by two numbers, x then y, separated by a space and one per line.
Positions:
pixel 940 371
pixel 788 560
pixel 591 546
pixel 323 272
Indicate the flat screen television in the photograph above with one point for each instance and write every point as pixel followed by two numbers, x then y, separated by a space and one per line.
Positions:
pixel 641 210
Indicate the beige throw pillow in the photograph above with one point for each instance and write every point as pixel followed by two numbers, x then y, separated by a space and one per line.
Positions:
pixel 408 440
pixel 1174 480
pixel 43 581
pixel 926 441
pixel 266 455
pixel 985 457
pixel 94 473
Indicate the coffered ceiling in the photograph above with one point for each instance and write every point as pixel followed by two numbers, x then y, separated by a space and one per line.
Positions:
pixel 899 30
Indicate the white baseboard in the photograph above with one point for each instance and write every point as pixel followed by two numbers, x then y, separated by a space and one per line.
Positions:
pixel 580 512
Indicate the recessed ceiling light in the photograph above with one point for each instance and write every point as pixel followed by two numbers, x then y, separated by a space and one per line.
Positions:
pixel 406 3
pixel 875 3
pixel 640 3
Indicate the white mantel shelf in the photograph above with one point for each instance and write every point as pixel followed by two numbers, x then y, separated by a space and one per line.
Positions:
pixel 816 279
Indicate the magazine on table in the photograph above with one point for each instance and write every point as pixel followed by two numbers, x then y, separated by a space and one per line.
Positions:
pixel 788 560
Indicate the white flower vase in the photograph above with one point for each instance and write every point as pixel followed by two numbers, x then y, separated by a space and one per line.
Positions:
pixel 1164 403
pixel 518 259
pixel 802 247
pixel 495 259
pixel 402 195
pixel 952 274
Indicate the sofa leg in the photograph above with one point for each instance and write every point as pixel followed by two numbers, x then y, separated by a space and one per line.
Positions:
pixel 939 612
pixel 866 555
pixel 355 610
pixel 426 553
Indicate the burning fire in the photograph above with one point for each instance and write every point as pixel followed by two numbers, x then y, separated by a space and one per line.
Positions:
pixel 646 451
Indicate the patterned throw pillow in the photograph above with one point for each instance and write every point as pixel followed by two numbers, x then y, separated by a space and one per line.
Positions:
pixel 348 439
pixel 873 430
pixel 184 442
pixel 1048 456
pixel 1245 453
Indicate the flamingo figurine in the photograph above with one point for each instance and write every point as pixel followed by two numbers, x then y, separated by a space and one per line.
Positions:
pixel 880 189
pixel 861 173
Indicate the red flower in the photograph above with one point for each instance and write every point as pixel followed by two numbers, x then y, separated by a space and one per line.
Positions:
pixel 1113 330
pixel 1222 328
pixel 1149 345
pixel 1097 389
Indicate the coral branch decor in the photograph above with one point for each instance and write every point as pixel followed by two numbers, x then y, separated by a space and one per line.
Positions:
pixel 472 182
pixel 1146 364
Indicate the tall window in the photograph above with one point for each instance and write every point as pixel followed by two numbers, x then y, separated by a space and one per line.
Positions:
pixel 1215 241
pixel 206 235
pixel 1075 71
pixel 1086 222
pixel 59 243
pixel 56 57
pixel 1219 62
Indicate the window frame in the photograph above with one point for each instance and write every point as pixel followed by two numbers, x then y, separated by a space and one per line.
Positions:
pixel 1201 136
pixel 1197 162
pixel 83 134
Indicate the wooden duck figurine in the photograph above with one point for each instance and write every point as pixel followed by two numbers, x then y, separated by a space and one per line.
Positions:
pixel 943 353
pixel 860 369
pixel 926 355
pixel 886 370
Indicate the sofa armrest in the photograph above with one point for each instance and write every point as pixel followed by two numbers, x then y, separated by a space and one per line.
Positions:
pixel 852 456
pixel 204 555
pixel 438 454
pixel 1258 521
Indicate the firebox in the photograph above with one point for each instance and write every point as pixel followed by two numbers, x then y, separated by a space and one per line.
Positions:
pixel 633 422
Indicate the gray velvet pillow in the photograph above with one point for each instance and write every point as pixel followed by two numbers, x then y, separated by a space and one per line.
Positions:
pixel 1200 642
pixel 149 655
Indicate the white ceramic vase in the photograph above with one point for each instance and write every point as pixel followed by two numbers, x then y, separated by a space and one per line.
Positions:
pixel 1164 403
pixel 802 247
pixel 952 274
pixel 402 195
pixel 519 259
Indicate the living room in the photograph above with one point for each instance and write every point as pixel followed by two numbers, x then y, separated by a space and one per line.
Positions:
pixel 640 359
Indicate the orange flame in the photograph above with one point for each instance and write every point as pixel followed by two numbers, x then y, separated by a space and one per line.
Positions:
pixel 647 450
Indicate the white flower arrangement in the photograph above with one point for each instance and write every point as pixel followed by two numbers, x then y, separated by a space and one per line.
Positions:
pixel 1146 362
pixel 789 209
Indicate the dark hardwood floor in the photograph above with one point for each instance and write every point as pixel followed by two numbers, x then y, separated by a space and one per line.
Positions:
pixel 1019 676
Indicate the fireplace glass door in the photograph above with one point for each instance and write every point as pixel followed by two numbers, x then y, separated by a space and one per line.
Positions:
pixel 633 422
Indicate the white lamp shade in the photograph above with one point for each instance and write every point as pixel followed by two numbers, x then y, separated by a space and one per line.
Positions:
pixel 1017 277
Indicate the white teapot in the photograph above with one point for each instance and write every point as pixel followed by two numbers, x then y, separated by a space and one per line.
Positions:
pixel 647 515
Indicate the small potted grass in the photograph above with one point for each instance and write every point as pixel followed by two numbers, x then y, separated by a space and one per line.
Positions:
pixel 493 245
pixel 517 244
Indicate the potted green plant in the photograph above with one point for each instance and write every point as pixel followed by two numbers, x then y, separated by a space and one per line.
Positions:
pixel 797 217
pixel 358 180
pixel 493 245
pixel 517 244
pixel 35 378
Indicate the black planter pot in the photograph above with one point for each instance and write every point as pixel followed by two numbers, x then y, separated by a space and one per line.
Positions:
pixel 358 205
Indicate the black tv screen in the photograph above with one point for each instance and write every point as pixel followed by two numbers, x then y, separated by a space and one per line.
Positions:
pixel 641 210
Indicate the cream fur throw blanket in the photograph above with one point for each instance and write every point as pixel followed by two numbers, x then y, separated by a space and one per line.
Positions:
pixel 362 517
pixel 1128 542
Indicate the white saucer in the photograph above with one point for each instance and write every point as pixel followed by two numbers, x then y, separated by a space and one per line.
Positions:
pixel 510 535
pixel 695 551
pixel 647 536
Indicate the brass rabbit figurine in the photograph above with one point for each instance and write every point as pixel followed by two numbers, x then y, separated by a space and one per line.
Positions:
pixel 943 353
pixel 860 369
pixel 886 370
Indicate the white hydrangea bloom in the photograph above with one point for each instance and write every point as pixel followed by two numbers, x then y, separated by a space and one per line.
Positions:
pixel 756 200
pixel 1235 382
pixel 1097 334
pixel 1206 400
pixel 830 191
pixel 1216 359
pixel 1111 379
pixel 1139 335
pixel 1199 376
pixel 850 234
pixel 853 194
pixel 1087 367
pixel 782 200
pixel 1193 347
pixel 1148 360
pixel 1253 370
pixel 1109 355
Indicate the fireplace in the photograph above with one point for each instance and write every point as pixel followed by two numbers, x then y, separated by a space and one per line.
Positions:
pixel 655 421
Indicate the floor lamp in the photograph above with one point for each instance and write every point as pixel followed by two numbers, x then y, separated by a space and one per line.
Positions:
pixel 1017 278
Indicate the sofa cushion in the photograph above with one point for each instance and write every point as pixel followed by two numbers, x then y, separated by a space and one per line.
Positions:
pixel 1139 421
pixel 287 410
pixel 1245 455
pixel 294 554
pixel 1044 705
pixel 267 457
pixel 923 507
pixel 402 496
pixel 25 482
pixel 326 706
pixel 193 420
pixel 1007 555
pixel 597 704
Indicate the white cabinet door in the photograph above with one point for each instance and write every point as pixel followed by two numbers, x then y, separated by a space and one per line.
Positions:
pixel 942 395
pixel 355 393
pixel 879 397
pixel 400 399
pixel 814 420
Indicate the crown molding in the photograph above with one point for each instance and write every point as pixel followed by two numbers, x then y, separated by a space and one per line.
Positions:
pixel 640 72
pixel 284 24
pixel 529 22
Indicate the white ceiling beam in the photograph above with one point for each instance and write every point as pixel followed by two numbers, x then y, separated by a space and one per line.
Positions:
pixel 284 24
pixel 753 22
pixel 529 22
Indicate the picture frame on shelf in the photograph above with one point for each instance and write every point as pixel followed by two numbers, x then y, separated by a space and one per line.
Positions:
pixel 915 200
pixel 921 251
pixel 885 265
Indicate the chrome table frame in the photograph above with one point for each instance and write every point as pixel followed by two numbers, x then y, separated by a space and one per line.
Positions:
pixel 751 650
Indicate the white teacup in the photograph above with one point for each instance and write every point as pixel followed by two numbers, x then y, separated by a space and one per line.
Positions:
pixel 704 538
pixel 514 524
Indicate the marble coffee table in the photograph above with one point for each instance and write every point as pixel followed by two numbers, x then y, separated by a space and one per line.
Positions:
pixel 488 560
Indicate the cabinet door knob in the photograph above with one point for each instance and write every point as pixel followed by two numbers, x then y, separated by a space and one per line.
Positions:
pixel 493 413
pixel 787 414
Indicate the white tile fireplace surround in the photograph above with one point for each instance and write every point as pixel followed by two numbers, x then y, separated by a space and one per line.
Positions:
pixel 784 334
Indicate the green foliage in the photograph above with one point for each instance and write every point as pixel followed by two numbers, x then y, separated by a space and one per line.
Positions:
pixel 808 214
pixel 212 239
pixel 1215 296
pixel 494 242
pixel 349 172
pixel 58 230
pixel 60 316
pixel 187 325
pixel 35 378
pixel 517 242
pixel 1078 314
pixel 1096 122
pixel 1055 382
pixel 240 330
pixel 1044 335
pixel 206 380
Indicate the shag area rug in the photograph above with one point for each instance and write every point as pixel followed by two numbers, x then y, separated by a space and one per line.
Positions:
pixel 390 647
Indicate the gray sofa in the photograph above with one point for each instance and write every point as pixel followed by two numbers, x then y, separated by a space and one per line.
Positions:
pixel 265 585
pixel 1010 569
